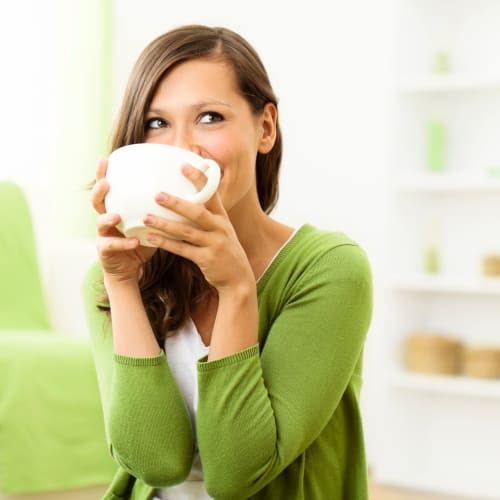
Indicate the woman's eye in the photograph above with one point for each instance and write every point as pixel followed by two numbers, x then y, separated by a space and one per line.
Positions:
pixel 210 117
pixel 154 123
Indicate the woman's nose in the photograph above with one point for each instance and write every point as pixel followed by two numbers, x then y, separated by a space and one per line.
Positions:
pixel 186 140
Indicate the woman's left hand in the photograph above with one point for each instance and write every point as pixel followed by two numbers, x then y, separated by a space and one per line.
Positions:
pixel 211 243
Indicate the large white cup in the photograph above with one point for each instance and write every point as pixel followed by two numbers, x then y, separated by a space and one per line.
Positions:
pixel 137 172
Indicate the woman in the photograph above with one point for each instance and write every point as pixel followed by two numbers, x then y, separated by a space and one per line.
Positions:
pixel 231 366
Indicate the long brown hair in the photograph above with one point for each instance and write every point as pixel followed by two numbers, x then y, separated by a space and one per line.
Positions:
pixel 170 285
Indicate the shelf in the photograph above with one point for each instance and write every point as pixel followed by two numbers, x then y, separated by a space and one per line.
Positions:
pixel 449 83
pixel 447 183
pixel 448 284
pixel 447 384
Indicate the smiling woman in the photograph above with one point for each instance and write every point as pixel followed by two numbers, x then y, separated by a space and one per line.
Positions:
pixel 198 107
pixel 219 330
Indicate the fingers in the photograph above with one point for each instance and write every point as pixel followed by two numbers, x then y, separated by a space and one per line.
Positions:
pixel 107 245
pixel 199 179
pixel 110 239
pixel 102 166
pixel 100 188
pixel 98 195
pixel 193 212
pixel 177 230
pixel 196 176
pixel 176 246
pixel 106 224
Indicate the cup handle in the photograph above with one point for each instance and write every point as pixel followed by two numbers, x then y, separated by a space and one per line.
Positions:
pixel 211 169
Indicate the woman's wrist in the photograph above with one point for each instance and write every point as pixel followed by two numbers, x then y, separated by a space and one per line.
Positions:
pixel 235 327
pixel 112 281
pixel 132 332
pixel 241 289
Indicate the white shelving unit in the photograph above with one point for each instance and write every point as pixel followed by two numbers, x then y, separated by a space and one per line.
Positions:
pixel 449 83
pixel 447 183
pixel 446 385
pixel 442 433
pixel 428 283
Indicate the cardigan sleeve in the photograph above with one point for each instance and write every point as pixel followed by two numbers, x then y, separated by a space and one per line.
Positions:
pixel 258 412
pixel 147 423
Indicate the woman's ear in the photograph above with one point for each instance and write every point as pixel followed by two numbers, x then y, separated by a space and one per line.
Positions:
pixel 267 122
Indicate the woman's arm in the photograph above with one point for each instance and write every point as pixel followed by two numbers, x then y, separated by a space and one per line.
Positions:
pixel 237 306
pixel 258 413
pixel 147 422
pixel 132 332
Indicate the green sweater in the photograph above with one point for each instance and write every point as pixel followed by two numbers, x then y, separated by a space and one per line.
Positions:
pixel 279 420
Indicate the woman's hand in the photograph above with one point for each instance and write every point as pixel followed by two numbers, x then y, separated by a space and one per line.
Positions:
pixel 121 258
pixel 210 242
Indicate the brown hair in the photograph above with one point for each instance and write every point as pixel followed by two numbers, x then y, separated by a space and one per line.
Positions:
pixel 170 285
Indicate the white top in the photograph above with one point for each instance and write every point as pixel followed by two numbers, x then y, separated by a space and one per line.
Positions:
pixel 183 349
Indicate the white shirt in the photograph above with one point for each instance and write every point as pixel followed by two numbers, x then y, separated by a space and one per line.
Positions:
pixel 183 348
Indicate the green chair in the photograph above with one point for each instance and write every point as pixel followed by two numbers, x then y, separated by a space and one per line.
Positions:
pixel 51 427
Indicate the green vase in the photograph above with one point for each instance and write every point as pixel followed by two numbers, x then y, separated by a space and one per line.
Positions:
pixel 435 145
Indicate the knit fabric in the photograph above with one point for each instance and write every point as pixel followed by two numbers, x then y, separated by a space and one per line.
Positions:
pixel 279 420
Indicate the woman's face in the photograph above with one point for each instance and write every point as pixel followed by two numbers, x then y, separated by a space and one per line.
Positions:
pixel 197 106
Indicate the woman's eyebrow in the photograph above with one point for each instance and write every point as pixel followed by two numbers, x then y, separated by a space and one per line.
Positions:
pixel 203 104
pixel 154 111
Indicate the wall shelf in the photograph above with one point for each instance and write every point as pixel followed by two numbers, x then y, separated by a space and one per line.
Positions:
pixel 447 183
pixel 449 83
pixel 449 120
pixel 427 283
pixel 446 384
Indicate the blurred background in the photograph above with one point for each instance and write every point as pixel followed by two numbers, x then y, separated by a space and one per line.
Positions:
pixel 390 112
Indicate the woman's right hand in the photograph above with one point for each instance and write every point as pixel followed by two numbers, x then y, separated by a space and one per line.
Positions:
pixel 121 258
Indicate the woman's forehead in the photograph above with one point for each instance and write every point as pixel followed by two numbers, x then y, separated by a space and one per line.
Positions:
pixel 206 79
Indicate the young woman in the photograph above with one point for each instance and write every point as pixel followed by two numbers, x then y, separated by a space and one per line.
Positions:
pixel 229 359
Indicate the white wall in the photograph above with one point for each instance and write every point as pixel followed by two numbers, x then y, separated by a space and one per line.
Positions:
pixel 51 98
pixel 330 66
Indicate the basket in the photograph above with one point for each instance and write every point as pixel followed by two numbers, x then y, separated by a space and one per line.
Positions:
pixel 482 362
pixel 436 354
pixel 491 265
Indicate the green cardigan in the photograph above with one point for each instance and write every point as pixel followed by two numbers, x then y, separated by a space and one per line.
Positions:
pixel 279 420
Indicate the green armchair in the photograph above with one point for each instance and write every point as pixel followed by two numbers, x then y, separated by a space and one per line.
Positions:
pixel 51 427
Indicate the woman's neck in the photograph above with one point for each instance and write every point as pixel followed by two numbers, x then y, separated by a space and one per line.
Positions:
pixel 261 237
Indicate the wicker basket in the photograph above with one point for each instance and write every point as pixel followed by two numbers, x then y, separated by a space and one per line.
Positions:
pixel 491 265
pixel 482 362
pixel 430 353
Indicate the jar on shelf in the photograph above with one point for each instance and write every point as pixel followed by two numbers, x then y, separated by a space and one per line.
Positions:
pixel 433 354
pixel 490 265
pixel 435 144
pixel 482 362
pixel 432 242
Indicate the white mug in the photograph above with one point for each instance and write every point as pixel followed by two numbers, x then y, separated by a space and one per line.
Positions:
pixel 137 172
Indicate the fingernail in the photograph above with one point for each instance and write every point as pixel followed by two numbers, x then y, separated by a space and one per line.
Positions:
pixel 161 197
pixel 149 219
pixel 132 243
pixel 152 238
